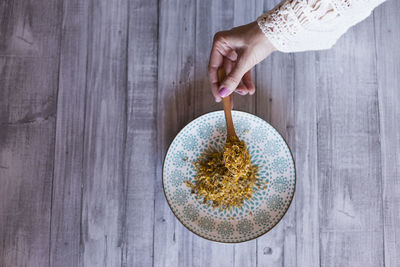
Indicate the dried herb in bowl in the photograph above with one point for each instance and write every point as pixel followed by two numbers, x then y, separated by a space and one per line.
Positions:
pixel 225 179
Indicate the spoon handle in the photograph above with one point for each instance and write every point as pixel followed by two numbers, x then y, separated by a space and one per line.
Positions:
pixel 227 108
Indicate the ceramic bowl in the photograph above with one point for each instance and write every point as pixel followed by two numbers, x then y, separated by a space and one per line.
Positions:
pixel 268 150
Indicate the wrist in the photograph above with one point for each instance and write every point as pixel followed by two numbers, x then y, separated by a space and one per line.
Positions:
pixel 261 38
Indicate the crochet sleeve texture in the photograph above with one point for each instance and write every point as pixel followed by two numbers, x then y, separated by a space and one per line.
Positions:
pixel 301 25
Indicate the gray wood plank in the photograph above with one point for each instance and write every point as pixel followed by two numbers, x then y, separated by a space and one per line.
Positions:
pixel 141 142
pixel 29 47
pixel 104 183
pixel 68 165
pixel 305 153
pixel 349 158
pixel 25 175
pixel 172 241
pixel 209 253
pixel 211 17
pixel 387 41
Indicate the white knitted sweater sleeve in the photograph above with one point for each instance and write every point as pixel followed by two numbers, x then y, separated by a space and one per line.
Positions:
pixel 300 25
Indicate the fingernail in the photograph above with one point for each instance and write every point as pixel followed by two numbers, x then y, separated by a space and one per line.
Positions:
pixel 240 92
pixel 218 100
pixel 223 92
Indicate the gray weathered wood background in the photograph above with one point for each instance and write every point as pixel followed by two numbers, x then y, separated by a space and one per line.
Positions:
pixel 93 92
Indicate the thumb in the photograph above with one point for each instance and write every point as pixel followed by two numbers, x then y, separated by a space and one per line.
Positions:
pixel 232 80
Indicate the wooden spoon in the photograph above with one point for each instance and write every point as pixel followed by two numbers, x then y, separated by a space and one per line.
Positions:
pixel 231 134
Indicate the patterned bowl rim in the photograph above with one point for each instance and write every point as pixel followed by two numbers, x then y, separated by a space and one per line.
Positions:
pixel 230 242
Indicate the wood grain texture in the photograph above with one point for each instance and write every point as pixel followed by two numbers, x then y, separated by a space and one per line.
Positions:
pixel 104 183
pixel 306 156
pixel 349 157
pixel 29 45
pixel 65 243
pixel 387 38
pixel 172 241
pixel 141 136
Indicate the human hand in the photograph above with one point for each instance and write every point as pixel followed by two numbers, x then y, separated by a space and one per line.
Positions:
pixel 238 51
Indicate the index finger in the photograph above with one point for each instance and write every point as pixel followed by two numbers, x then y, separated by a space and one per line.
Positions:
pixel 216 61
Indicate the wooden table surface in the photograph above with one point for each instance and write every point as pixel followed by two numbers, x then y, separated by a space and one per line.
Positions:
pixel 93 92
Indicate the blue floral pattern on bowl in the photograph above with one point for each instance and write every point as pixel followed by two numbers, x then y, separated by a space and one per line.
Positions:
pixel 275 202
pixel 245 226
pixel 243 126
pixel 179 158
pixel 225 229
pixel 262 218
pixel 206 223
pixel 272 147
pixel 180 196
pixel 220 125
pixel 177 177
pixel 280 184
pixel 259 135
pixel 257 215
pixel 191 213
pixel 280 164
pixel 189 142
pixel 205 130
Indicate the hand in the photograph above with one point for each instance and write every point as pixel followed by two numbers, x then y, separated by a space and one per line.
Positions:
pixel 237 50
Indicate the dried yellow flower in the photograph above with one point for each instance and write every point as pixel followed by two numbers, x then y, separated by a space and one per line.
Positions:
pixel 225 179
